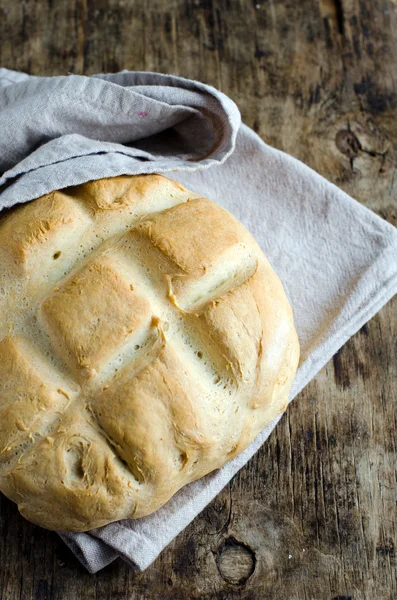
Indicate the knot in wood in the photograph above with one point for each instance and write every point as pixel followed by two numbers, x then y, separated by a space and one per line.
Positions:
pixel 235 561
pixel 348 143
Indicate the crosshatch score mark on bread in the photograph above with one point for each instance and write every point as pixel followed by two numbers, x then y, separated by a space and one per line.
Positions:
pixel 144 342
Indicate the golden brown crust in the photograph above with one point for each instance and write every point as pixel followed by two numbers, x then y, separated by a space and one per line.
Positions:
pixel 70 477
pixel 93 313
pixel 145 341
pixel 187 234
pixel 30 396
pixel 156 424
pixel 121 192
pixel 31 229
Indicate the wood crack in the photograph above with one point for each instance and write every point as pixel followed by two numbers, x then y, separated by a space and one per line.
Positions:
pixel 340 16
pixel 349 144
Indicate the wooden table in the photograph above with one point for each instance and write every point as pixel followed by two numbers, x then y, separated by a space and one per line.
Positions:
pixel 313 515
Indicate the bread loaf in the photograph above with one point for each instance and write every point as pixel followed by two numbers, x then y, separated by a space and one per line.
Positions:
pixel 144 342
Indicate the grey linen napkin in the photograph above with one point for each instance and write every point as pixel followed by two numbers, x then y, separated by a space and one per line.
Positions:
pixel 336 259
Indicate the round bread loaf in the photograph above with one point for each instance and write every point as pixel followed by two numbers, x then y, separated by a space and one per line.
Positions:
pixel 144 342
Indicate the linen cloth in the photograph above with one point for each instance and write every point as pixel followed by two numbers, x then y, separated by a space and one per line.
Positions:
pixel 336 259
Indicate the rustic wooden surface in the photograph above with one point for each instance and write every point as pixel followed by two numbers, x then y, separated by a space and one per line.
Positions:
pixel 313 515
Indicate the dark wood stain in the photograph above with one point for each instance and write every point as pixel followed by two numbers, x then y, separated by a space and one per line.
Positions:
pixel 313 514
pixel 342 376
pixel 340 17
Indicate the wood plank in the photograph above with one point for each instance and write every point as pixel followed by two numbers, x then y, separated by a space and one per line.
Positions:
pixel 313 515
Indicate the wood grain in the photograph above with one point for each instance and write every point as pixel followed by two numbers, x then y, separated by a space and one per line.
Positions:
pixel 313 515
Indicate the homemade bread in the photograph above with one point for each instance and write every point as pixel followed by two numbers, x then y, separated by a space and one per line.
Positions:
pixel 144 342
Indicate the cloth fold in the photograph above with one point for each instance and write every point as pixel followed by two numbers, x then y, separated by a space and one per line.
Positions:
pixel 131 122
pixel 336 259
